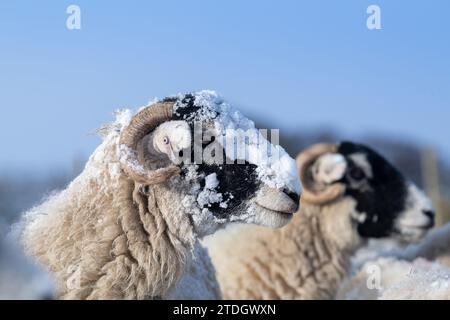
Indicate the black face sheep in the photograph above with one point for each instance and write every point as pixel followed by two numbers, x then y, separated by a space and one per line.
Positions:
pixel 127 226
pixel 350 194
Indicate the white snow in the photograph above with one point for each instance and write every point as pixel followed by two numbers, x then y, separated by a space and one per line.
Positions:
pixel 274 166
pixel 209 195
pixel 403 275
pixel 423 280
pixel 211 181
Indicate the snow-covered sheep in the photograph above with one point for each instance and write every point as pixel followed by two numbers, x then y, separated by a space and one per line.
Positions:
pixel 350 194
pixel 128 226
pixel 20 277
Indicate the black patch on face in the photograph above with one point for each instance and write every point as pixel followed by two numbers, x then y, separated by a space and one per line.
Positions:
pixel 237 181
pixel 386 198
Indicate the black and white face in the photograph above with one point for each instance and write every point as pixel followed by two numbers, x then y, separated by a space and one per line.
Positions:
pixel 386 203
pixel 220 188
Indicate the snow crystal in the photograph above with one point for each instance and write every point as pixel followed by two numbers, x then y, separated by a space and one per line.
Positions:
pixel 208 195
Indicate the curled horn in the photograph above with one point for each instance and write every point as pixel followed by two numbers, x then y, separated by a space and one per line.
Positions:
pixel 140 125
pixel 311 193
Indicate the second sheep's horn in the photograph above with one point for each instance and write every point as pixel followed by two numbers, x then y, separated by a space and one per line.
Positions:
pixel 310 193
pixel 140 125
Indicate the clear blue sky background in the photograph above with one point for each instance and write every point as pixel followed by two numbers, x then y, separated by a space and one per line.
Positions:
pixel 296 63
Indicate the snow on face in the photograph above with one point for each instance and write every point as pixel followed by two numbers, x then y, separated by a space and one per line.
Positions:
pixel 236 160
pixel 209 195
pixel 237 163
pixel 274 166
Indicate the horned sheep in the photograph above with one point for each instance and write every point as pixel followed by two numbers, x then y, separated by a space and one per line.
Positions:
pixel 350 194
pixel 128 226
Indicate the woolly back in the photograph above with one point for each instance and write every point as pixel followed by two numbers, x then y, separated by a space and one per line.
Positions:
pixel 102 238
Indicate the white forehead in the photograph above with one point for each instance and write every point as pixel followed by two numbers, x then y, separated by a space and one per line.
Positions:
pixel 360 159
pixel 274 166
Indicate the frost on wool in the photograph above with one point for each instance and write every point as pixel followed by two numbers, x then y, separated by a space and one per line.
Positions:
pixel 123 118
pixel 129 156
pixel 274 166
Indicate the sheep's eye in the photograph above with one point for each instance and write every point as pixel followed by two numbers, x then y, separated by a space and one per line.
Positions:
pixel 166 140
pixel 356 173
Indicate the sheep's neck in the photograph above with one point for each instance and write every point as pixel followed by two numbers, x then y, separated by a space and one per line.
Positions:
pixel 155 248
pixel 323 262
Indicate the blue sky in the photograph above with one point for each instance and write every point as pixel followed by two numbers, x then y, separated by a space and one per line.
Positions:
pixel 298 64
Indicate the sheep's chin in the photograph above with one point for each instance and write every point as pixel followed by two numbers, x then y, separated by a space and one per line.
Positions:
pixel 409 234
pixel 269 218
pixel 271 208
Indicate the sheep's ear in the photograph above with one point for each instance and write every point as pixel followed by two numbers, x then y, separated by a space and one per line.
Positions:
pixel 329 168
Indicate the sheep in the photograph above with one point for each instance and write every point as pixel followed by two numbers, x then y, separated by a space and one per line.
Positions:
pixel 429 259
pixel 20 277
pixel 350 194
pixel 128 226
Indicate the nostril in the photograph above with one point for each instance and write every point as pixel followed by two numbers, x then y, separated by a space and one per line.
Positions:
pixel 294 196
pixel 429 213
